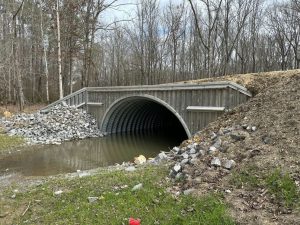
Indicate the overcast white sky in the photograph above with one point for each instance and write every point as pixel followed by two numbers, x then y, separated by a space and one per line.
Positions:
pixel 126 11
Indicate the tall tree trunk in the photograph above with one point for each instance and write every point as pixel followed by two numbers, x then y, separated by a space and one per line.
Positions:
pixel 45 59
pixel 60 80
pixel 17 72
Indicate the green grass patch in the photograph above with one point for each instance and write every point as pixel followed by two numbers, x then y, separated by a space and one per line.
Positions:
pixel 117 202
pixel 283 187
pixel 7 142
pixel 246 177
pixel 278 183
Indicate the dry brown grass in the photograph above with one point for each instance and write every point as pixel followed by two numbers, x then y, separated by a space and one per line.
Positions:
pixel 14 108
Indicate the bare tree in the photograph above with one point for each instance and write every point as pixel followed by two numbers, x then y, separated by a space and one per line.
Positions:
pixel 61 94
pixel 17 71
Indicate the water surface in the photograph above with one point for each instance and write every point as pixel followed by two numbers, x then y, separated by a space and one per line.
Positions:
pixel 86 154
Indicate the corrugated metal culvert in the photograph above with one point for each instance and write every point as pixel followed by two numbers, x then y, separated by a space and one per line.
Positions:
pixel 188 107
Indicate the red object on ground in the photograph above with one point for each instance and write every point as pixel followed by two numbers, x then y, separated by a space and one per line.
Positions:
pixel 134 221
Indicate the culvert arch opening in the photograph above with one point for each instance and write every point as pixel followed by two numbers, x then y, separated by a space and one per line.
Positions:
pixel 143 114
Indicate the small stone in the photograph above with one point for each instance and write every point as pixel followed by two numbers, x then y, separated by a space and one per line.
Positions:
pixel 64 104
pixel 218 143
pixel 266 139
pixel 13 196
pixel 92 199
pixel 244 126
pixel 176 149
pixel 198 180
pixel 202 152
pixel 177 168
pixel 193 151
pixel 212 150
pixel 189 191
pixel 194 161
pixel 193 156
pixel 137 187
pixel 215 162
pixel 229 164
pixel 220 132
pixel 84 174
pixel 59 192
pixel 185 155
pixel 213 136
pixel 153 160
pixel 162 156
pixel 130 169
pixel 184 161
pixel 254 128
pixel 140 160
pixel 225 146
pixel 227 191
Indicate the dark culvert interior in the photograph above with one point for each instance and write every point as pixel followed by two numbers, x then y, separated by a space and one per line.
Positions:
pixel 140 115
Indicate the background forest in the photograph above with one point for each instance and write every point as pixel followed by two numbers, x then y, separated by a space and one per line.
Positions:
pixel 50 48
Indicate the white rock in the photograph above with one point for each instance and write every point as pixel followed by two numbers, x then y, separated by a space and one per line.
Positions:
pixel 215 161
pixel 59 192
pixel 177 168
pixel 229 164
pixel 176 149
pixel 213 135
pixel 137 187
pixel 130 169
pixel 189 191
pixel 193 156
pixel 193 151
pixel 140 160
pixel 185 155
pixel 212 150
pixel 162 156
pixel 184 161
pixel 84 174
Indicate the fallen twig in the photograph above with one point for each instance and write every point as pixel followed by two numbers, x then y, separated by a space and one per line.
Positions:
pixel 26 209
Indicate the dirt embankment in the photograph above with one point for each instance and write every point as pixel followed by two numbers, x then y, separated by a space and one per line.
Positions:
pixel 274 111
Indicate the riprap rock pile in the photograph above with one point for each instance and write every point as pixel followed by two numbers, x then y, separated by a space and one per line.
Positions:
pixel 209 158
pixel 60 123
